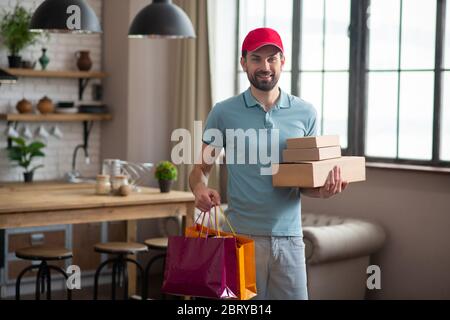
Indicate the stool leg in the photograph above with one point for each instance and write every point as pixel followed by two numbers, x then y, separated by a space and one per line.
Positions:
pixel 141 271
pixel 124 272
pixel 97 274
pixel 42 280
pixel 120 275
pixel 164 296
pixel 39 280
pixel 119 271
pixel 19 279
pixel 49 284
pixel 147 270
pixel 43 276
pixel 125 282
pixel 69 292
pixel 113 284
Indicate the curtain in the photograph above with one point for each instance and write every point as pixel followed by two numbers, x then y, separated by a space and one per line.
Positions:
pixel 192 86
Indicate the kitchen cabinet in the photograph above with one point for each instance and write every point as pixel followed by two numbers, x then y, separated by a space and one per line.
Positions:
pixel 13 239
pixel 85 236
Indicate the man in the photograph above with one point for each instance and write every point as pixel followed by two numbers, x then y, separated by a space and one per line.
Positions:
pixel 271 216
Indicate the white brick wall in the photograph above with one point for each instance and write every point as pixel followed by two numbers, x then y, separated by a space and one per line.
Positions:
pixel 61 50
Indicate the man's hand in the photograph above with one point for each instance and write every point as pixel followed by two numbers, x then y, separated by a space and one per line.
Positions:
pixel 333 185
pixel 205 198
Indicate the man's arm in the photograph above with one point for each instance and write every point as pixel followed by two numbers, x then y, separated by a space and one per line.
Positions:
pixel 333 185
pixel 205 197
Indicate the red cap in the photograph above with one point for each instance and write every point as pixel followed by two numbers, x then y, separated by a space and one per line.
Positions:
pixel 260 37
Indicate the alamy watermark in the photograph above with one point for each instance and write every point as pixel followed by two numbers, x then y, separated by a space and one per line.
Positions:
pixel 374 280
pixel 74 277
pixel 262 146
pixel 73 22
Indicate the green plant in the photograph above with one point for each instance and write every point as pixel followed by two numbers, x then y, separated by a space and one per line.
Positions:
pixel 24 154
pixel 166 170
pixel 14 29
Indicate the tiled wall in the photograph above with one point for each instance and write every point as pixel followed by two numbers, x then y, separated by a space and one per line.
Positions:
pixel 61 50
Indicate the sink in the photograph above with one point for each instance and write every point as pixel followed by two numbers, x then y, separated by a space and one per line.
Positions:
pixel 75 177
pixel 82 180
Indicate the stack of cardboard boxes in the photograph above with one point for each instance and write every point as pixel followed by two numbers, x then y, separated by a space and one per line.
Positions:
pixel 307 162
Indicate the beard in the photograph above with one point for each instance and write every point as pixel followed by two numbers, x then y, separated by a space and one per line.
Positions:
pixel 263 84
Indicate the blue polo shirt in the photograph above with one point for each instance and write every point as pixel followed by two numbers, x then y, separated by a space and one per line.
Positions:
pixel 255 207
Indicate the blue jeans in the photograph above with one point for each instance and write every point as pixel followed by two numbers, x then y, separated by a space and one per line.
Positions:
pixel 280 268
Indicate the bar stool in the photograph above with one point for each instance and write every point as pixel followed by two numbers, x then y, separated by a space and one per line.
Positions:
pixel 157 244
pixel 160 245
pixel 119 264
pixel 43 254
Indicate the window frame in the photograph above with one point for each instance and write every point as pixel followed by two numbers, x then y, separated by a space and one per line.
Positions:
pixel 358 79
pixel 363 33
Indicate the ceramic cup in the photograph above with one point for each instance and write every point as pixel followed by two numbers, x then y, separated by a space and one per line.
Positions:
pixel 41 132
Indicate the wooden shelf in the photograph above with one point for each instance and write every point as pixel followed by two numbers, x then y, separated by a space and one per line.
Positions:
pixel 82 76
pixel 57 117
pixel 56 74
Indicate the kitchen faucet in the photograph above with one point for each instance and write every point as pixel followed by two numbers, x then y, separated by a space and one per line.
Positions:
pixel 73 175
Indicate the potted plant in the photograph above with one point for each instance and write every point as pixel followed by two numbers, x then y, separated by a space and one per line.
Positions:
pixel 15 33
pixel 166 173
pixel 24 154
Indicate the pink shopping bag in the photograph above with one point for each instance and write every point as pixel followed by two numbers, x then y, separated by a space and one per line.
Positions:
pixel 201 267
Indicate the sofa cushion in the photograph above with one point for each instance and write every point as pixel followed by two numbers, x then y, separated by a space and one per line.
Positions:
pixel 331 238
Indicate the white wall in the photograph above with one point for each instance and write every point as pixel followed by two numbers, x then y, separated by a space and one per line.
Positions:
pixel 139 93
pixel 61 51
pixel 139 90
pixel 413 208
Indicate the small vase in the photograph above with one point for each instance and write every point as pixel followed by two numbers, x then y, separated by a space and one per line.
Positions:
pixel 24 106
pixel 84 62
pixel 165 185
pixel 15 61
pixel 45 105
pixel 44 60
pixel 28 176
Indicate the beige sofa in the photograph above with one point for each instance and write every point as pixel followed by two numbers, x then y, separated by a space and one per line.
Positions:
pixel 337 254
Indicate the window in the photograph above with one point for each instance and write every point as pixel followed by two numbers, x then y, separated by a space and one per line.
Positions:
pixel 322 75
pixel 276 14
pixel 324 63
pixel 401 79
pixel 375 70
pixel 444 147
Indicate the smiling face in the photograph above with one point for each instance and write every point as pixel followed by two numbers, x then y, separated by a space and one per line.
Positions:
pixel 263 67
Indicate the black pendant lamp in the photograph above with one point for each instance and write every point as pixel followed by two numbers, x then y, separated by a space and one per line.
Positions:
pixel 161 19
pixel 65 16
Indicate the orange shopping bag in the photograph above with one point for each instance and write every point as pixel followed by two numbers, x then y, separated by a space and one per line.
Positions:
pixel 245 253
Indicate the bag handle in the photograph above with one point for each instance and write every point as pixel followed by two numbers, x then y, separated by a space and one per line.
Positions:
pixel 215 221
pixel 226 219
pixel 203 214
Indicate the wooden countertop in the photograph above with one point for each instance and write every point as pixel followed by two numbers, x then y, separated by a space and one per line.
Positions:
pixel 51 196
pixel 53 203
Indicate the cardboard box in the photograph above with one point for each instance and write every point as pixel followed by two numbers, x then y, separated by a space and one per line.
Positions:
pixel 312 174
pixel 311 154
pixel 313 142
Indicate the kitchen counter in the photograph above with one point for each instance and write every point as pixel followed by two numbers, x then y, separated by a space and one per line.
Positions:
pixel 22 199
pixel 53 203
